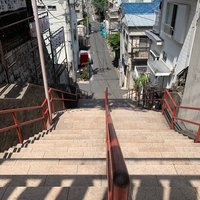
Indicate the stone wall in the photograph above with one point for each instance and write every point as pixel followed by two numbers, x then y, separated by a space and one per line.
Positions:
pixel 22 64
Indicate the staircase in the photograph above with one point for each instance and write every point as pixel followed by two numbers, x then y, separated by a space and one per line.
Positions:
pixel 69 160
pixel 66 162
pixel 162 164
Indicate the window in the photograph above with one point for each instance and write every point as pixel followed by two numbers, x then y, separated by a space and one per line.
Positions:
pixel 126 37
pixel 51 7
pixel 144 41
pixel 176 21
pixel 41 8
pixel 170 18
pixel 164 56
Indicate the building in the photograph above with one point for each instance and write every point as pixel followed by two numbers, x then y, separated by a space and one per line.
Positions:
pixel 113 14
pixel 62 14
pixel 136 18
pixel 112 20
pixel 191 90
pixel 171 43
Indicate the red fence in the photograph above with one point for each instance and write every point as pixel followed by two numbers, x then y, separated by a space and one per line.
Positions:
pixel 170 104
pixel 43 109
pixel 118 177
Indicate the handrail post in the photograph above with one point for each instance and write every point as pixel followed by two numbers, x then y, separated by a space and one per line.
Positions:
pixel 63 103
pixel 164 99
pixel 197 136
pixel 43 116
pixel 17 128
pixel 173 116
pixel 52 100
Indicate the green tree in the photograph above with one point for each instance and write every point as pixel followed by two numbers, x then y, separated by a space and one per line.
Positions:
pixel 139 84
pixel 100 7
pixel 114 42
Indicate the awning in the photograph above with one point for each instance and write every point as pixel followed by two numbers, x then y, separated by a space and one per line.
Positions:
pixel 159 68
pixel 152 36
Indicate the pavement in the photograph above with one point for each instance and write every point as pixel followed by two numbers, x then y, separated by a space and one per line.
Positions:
pixel 104 74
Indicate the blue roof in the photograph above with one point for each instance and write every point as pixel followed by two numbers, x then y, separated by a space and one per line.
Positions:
pixel 140 8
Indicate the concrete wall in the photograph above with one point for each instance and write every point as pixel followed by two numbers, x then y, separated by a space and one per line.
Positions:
pixel 191 96
pixel 178 54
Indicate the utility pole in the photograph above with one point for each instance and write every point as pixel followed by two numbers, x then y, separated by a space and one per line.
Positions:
pixel 71 14
pixel 41 53
pixel 70 36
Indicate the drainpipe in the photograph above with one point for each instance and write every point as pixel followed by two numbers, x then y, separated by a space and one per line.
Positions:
pixel 41 53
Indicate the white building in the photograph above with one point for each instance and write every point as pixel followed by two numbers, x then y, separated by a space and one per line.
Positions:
pixel 136 18
pixel 63 15
pixel 171 41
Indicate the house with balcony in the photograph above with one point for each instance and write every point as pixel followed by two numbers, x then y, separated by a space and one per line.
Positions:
pixel 113 15
pixel 171 41
pixel 112 20
pixel 136 18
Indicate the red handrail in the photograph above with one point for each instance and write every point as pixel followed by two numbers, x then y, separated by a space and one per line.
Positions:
pixel 44 112
pixel 117 173
pixel 173 112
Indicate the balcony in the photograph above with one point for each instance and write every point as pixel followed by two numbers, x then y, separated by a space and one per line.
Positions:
pixel 159 68
pixel 113 13
pixel 154 37
pixel 140 53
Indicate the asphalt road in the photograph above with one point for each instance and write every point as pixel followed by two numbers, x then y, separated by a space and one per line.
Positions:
pixel 103 74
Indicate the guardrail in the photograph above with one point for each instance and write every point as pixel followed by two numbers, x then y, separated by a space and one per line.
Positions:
pixel 117 173
pixel 170 104
pixel 43 109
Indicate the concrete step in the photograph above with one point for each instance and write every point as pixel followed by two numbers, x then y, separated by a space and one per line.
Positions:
pixel 149 139
pixel 53 180
pixel 70 149
pixel 144 192
pixel 153 135
pixel 80 125
pixel 72 131
pixel 133 145
pixel 140 125
pixel 58 193
pixel 53 161
pixel 72 136
pixel 164 169
pixel 52 169
pixel 55 154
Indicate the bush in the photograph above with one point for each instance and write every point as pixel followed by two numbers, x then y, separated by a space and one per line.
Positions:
pixel 84 74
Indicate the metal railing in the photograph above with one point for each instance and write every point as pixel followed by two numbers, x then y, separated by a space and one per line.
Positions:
pixel 117 173
pixel 170 104
pixel 43 109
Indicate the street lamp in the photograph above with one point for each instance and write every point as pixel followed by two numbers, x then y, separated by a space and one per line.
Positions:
pixel 41 53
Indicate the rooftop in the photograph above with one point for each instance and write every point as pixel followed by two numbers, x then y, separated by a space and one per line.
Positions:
pixel 140 8
pixel 144 20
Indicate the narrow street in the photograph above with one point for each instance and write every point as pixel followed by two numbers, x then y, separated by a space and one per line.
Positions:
pixel 103 73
